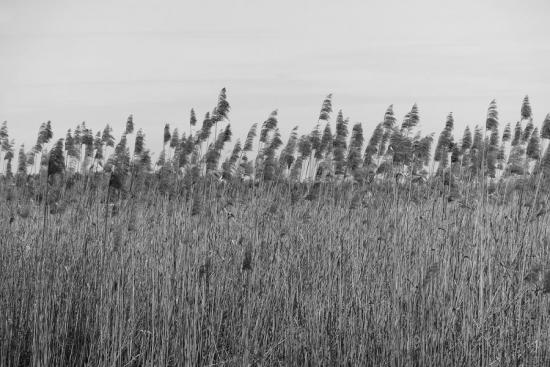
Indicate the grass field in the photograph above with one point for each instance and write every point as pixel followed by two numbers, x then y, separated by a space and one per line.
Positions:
pixel 272 274
pixel 325 251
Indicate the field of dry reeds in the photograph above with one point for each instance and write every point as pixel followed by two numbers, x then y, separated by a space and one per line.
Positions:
pixel 322 253
pixel 272 274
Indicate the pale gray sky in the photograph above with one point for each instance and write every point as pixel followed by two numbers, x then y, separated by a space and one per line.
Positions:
pixel 98 61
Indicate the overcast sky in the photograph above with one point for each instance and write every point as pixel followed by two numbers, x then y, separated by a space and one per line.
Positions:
pixel 97 61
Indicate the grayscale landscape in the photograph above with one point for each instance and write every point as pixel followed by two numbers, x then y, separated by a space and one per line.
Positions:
pixel 256 183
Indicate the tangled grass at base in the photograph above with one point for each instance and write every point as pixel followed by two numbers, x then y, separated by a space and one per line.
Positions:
pixel 291 258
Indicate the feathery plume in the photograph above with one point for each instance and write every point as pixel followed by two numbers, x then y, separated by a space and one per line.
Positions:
pixel 193 118
pixel 526 112
pixel 129 125
pixel 492 116
pixel 326 109
pixel 56 161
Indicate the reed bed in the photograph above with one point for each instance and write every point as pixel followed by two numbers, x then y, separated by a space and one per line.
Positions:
pixel 272 274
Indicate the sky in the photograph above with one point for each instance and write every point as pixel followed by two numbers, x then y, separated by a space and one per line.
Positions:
pixel 98 61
